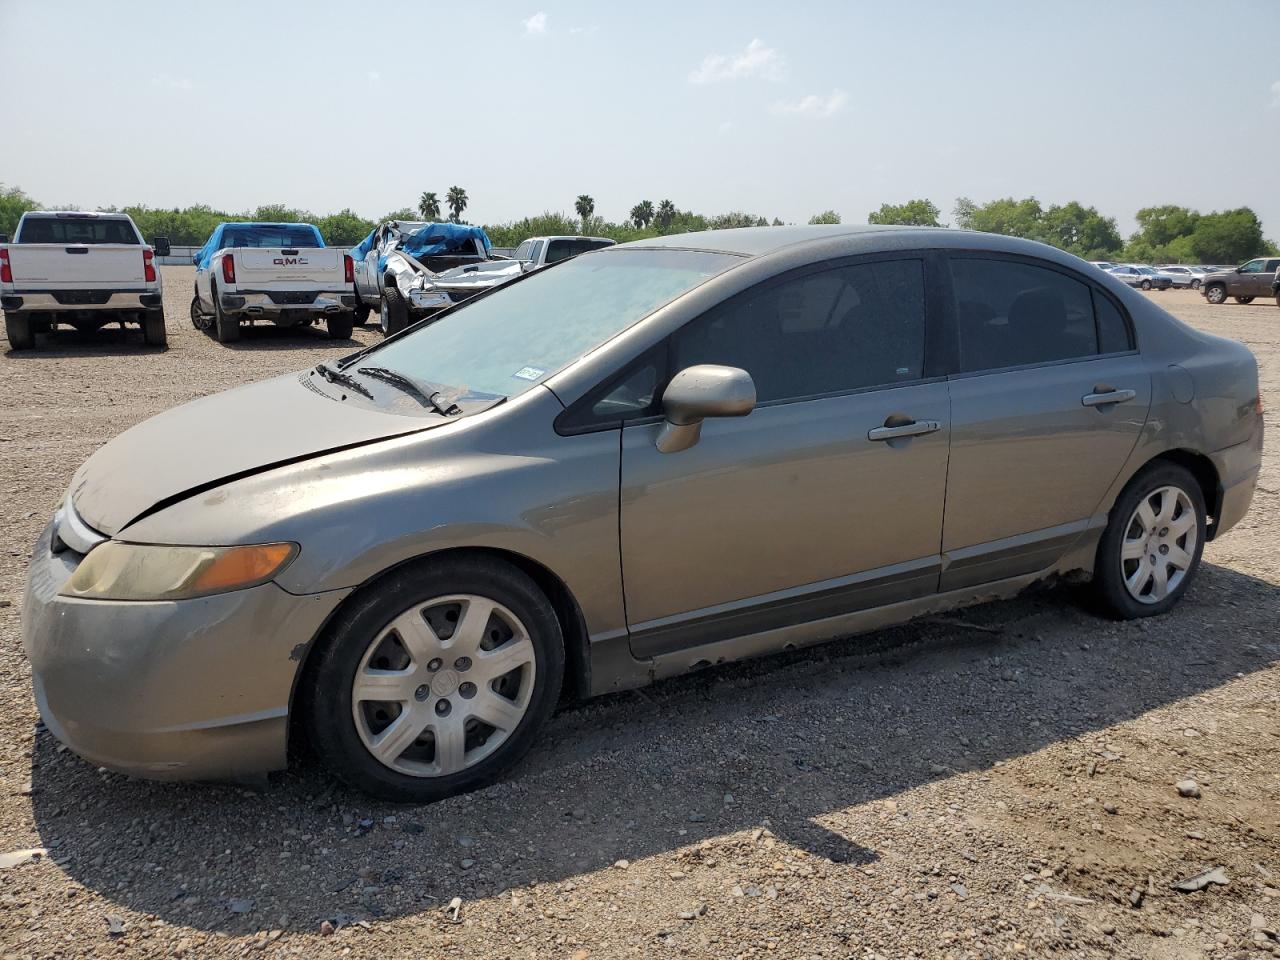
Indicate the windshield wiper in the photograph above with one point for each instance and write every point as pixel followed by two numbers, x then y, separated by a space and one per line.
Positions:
pixel 334 375
pixel 438 400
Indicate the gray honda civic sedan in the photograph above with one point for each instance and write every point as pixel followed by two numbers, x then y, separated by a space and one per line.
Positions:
pixel 637 463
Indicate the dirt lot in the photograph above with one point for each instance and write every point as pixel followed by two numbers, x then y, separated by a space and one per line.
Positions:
pixel 999 782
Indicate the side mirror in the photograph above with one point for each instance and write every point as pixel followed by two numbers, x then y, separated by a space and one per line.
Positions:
pixel 695 393
pixel 161 246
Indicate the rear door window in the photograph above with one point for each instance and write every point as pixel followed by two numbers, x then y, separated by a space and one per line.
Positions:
pixel 1011 313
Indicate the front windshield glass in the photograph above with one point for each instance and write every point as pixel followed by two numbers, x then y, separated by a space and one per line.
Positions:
pixel 505 343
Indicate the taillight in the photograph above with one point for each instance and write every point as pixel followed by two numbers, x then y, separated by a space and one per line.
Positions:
pixel 228 269
pixel 348 269
pixel 6 274
pixel 148 266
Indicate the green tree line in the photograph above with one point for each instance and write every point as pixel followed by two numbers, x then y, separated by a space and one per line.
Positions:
pixel 1165 234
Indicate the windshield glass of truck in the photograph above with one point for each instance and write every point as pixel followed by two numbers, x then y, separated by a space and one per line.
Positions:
pixel 50 230
pixel 259 236
pixel 519 335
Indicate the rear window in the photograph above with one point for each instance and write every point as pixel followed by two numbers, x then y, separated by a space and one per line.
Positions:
pixel 564 249
pixel 76 230
pixel 258 236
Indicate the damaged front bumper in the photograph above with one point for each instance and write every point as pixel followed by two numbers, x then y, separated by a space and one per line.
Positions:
pixel 171 690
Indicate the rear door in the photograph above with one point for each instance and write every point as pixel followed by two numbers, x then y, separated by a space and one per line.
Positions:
pixel 1047 404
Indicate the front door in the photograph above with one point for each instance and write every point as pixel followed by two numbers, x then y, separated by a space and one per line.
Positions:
pixel 827 498
pixel 1047 406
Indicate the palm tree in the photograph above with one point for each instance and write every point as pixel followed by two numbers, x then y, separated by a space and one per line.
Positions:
pixel 666 214
pixel 429 206
pixel 585 207
pixel 642 214
pixel 456 198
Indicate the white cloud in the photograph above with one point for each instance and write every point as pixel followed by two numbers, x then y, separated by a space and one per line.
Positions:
pixel 1275 94
pixel 536 25
pixel 756 60
pixel 170 82
pixel 812 105
pixel 374 76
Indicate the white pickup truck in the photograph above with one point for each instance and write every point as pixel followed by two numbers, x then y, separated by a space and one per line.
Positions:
pixel 81 269
pixel 413 270
pixel 281 272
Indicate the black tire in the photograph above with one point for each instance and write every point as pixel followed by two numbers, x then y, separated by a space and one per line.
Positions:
pixel 226 327
pixel 1244 299
pixel 17 328
pixel 1195 284
pixel 153 331
pixel 361 315
pixel 397 310
pixel 1108 575
pixel 1215 293
pixel 339 325
pixel 327 687
pixel 1146 284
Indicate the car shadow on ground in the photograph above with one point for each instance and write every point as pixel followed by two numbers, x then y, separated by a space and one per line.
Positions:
pixel 65 342
pixel 783 741
pixel 269 336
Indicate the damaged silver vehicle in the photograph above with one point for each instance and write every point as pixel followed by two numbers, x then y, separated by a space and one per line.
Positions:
pixel 409 269
pixel 636 463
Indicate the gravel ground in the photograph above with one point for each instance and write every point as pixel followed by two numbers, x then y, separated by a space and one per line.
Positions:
pixel 1002 781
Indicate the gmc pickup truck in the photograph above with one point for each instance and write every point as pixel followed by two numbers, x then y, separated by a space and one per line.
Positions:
pixel 82 269
pixel 281 272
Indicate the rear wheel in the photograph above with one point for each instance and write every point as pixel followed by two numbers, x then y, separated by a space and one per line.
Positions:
pixel 1244 299
pixel 1195 284
pixel 153 332
pixel 17 328
pixel 226 327
pixel 339 325
pixel 436 681
pixel 362 311
pixel 395 310
pixel 1216 293
pixel 1151 548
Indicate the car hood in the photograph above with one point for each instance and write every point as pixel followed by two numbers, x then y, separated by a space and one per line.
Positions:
pixel 219 438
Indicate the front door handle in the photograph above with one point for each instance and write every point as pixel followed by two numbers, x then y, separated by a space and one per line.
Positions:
pixel 913 429
pixel 1104 397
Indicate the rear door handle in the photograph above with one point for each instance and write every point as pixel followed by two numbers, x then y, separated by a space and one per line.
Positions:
pixel 1104 397
pixel 913 429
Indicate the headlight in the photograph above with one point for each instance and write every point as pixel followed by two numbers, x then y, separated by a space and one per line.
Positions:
pixel 138 571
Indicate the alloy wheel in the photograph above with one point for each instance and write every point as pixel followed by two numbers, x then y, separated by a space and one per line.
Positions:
pixel 1159 544
pixel 1216 294
pixel 443 685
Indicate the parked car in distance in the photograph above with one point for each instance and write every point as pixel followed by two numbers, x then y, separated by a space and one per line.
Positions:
pixel 1249 280
pixel 1184 277
pixel 281 272
pixel 1144 277
pixel 81 269
pixel 574 481
pixel 540 251
pixel 409 269
pixel 1103 264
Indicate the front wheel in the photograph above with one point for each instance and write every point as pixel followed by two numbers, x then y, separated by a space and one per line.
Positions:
pixel 395 311
pixel 437 680
pixel 1151 548
pixel 153 332
pixel 1146 284
pixel 1216 293
pixel 17 328
pixel 1244 299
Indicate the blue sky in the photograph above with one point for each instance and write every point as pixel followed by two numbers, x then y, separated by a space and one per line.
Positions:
pixel 780 109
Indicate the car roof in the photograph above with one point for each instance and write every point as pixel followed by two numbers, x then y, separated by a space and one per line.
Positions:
pixel 571 236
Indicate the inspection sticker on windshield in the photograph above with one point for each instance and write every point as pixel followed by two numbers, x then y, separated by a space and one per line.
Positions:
pixel 529 373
